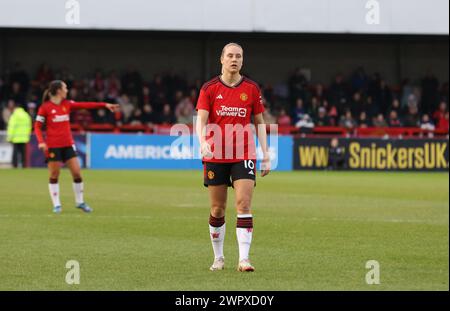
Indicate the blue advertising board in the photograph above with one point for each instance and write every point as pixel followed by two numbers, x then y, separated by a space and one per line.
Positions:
pixel 131 151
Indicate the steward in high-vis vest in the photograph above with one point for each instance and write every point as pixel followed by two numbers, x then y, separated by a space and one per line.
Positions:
pixel 18 133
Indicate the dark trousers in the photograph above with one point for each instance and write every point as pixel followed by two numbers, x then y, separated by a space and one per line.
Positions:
pixel 18 155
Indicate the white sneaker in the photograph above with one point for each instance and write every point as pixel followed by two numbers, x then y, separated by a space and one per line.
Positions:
pixel 245 266
pixel 218 264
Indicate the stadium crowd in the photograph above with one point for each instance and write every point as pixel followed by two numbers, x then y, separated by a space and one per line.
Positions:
pixel 355 100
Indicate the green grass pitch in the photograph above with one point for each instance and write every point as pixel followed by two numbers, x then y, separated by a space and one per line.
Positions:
pixel 149 231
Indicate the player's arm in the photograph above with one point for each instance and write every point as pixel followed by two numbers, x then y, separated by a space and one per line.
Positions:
pixel 203 107
pixel 93 105
pixel 261 133
pixel 200 128
pixel 40 119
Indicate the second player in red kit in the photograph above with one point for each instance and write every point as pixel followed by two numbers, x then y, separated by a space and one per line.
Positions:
pixel 59 146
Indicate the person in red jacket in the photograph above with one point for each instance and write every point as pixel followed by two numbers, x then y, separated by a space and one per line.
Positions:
pixel 59 145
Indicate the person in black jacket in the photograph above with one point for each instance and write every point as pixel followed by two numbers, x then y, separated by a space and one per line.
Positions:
pixel 336 155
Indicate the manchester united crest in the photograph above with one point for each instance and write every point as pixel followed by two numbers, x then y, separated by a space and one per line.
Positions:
pixel 210 174
pixel 243 97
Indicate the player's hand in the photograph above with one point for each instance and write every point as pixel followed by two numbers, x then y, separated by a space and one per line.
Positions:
pixel 265 165
pixel 112 107
pixel 43 147
pixel 205 150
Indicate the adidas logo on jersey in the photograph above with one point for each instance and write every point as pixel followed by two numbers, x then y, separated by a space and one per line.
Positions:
pixel 219 96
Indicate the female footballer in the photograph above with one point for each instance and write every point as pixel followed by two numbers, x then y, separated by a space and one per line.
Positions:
pixel 225 108
pixel 59 145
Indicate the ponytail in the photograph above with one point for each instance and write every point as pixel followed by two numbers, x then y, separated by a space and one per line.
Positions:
pixel 46 96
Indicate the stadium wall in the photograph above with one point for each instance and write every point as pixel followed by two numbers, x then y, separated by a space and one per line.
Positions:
pixel 268 58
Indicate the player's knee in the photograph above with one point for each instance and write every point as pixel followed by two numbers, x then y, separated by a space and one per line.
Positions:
pixel 54 175
pixel 243 205
pixel 218 210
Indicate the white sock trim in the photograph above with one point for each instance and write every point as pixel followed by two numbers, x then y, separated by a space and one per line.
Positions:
pixel 244 215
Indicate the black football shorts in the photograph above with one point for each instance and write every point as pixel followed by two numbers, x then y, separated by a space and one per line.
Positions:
pixel 61 154
pixel 226 173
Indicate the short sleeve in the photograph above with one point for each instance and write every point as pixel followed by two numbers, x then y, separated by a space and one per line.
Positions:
pixel 203 101
pixel 41 115
pixel 258 106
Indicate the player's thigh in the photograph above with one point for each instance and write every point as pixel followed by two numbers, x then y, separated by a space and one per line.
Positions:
pixel 243 194
pixel 54 168
pixel 74 166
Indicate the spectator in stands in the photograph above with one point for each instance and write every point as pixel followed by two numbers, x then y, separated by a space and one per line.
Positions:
pixel 305 124
pixel 136 117
pixel 412 118
pixel 126 107
pixel 74 94
pixel 412 102
pixel 158 90
pixel 103 116
pixel 347 120
pixel 297 85
pixel 299 110
pixel 17 95
pixel 149 118
pixel 370 108
pixel 32 109
pixel 430 93
pixel 426 123
pixel 167 116
pixel 283 119
pixel 385 99
pixel 359 80
pixel 113 87
pixel 363 121
pixel 333 115
pixel 319 93
pixel 184 109
pixel 374 87
pixel 20 76
pixel 393 120
pixel 185 115
pixel 98 85
pixel 440 112
pixel 322 119
pixel 338 93
pixel 44 76
pixel 395 106
pixel 313 109
pixel 8 110
pixel 336 155
pixel 380 121
pixel 82 117
pixel 146 96
pixel 356 104
pixel 443 122
pixel 131 82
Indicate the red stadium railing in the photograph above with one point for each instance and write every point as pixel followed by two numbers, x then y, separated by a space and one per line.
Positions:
pixel 320 131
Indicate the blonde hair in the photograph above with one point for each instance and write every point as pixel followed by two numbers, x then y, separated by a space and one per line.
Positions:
pixel 231 44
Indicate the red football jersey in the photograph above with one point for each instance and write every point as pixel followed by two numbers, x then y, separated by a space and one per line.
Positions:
pixel 57 119
pixel 231 107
